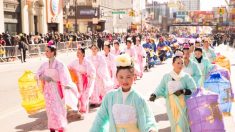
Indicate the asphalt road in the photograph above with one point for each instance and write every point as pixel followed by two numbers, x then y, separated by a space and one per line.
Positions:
pixel 13 118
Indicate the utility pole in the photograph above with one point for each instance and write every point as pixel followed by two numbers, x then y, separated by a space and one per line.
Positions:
pixel 76 24
pixel 141 26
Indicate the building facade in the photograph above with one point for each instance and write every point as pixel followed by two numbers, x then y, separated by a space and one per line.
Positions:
pixel 191 5
pixel 1 16
pixel 10 12
pixel 41 16
pixel 88 15
pixel 31 16
pixel 158 15
pixel 122 21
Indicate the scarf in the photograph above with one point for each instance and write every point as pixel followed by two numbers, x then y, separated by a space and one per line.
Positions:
pixel 175 76
pixel 199 60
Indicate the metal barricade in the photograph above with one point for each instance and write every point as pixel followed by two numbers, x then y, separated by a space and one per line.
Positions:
pixel 8 52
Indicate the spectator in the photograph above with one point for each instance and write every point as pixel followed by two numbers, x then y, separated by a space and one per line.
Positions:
pixel 23 47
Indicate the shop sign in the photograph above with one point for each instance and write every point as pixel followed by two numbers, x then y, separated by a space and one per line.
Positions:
pixel 83 12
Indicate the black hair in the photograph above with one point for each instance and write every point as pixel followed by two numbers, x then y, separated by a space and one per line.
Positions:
pixel 178 50
pixel 82 50
pixel 108 45
pixel 175 58
pixel 198 49
pixel 130 68
pixel 52 49
pixel 185 49
pixel 116 43
pixel 94 45
pixel 128 41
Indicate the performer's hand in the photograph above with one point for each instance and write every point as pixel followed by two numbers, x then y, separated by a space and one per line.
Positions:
pixel 67 87
pixel 47 79
pixel 187 92
pixel 152 97
pixel 179 92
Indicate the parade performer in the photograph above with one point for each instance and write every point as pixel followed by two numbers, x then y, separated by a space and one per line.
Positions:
pixel 147 45
pixel 191 67
pixel 207 51
pixel 203 63
pixel 141 54
pixel 116 51
pixel 175 87
pixel 103 82
pixel 110 60
pixel 124 110
pixel 130 50
pixel 86 74
pixel 56 86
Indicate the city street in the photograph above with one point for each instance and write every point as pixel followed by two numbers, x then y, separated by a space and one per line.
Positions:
pixel 13 117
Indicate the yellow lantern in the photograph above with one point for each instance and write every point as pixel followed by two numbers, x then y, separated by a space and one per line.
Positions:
pixel 31 93
pixel 223 62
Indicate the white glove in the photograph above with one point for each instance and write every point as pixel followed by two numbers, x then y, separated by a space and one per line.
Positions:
pixel 47 79
pixel 67 87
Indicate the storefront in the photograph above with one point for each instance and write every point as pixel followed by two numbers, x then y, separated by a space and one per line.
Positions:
pixel 12 19
pixel 83 19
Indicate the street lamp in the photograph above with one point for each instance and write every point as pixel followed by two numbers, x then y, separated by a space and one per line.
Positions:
pixel 76 25
pixel 67 15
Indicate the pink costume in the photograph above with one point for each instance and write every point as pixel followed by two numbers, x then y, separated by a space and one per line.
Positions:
pixel 116 52
pixel 110 60
pixel 55 95
pixel 86 74
pixel 132 53
pixel 141 58
pixel 103 82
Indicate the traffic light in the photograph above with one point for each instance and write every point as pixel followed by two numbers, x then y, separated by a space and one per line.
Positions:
pixel 221 11
pixel 132 13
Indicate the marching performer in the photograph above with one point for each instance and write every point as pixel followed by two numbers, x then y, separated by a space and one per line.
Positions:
pixel 141 55
pixel 116 51
pixel 124 109
pixel 110 60
pixel 208 51
pixel 130 50
pixel 191 67
pixel 86 74
pixel 203 63
pixel 103 82
pixel 175 87
pixel 57 87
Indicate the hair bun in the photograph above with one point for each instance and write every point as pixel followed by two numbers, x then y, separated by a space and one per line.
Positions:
pixel 179 53
pixel 123 60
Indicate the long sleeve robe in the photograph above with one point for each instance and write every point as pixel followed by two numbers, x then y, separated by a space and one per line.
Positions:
pixel 55 106
pixel 194 71
pixel 84 71
pixel 141 58
pixel 207 68
pixel 103 82
pixel 176 108
pixel 145 119
pixel 210 54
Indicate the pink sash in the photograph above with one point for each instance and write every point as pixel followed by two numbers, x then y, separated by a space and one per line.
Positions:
pixel 85 81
